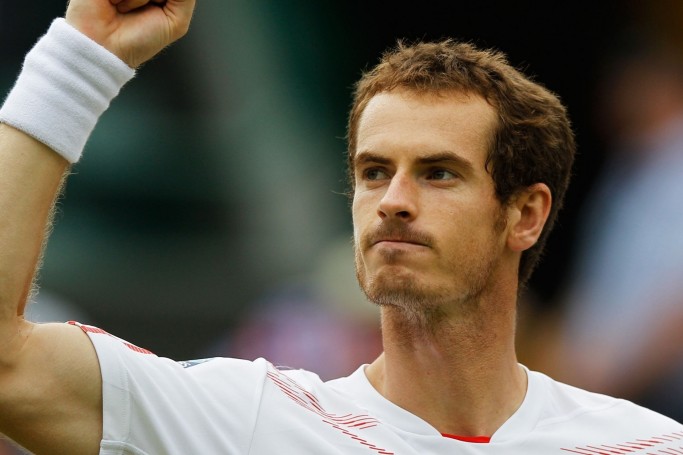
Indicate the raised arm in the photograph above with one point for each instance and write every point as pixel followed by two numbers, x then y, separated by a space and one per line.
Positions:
pixel 50 386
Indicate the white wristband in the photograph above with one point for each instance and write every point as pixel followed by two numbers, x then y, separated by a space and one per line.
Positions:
pixel 66 83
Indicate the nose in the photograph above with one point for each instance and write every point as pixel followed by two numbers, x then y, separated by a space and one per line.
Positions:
pixel 399 200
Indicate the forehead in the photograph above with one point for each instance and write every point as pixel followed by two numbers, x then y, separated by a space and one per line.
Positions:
pixel 404 121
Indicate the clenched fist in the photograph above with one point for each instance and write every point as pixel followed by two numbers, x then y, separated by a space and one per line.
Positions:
pixel 133 30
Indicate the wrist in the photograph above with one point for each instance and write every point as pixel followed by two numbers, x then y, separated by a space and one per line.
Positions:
pixel 66 83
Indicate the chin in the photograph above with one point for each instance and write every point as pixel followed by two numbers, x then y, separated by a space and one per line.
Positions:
pixel 402 289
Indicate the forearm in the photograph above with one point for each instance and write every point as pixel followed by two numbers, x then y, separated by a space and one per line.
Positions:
pixel 30 178
pixel 66 82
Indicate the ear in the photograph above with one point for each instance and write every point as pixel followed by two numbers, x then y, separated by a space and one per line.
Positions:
pixel 527 216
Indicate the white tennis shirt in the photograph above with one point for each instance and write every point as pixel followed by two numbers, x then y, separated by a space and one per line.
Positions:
pixel 154 406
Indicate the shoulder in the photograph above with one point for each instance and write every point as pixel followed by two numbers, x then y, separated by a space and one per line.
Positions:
pixel 572 407
pixel 127 366
pixel 574 420
pixel 147 398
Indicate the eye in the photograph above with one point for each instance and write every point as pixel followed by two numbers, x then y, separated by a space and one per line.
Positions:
pixel 441 174
pixel 374 173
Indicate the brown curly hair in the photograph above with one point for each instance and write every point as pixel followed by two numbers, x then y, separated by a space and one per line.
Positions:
pixel 533 141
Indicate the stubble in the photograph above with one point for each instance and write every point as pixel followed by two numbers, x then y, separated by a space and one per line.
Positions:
pixel 423 308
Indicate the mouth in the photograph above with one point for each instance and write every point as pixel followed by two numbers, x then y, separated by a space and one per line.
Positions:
pixel 399 242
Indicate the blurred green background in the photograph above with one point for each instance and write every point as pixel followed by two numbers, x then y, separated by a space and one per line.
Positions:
pixel 217 176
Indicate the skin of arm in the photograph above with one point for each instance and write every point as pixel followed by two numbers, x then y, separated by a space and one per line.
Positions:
pixel 50 384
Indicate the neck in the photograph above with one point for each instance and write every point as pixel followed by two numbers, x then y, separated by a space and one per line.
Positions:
pixel 457 372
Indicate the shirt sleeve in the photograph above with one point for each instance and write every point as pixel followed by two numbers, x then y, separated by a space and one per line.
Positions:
pixel 155 405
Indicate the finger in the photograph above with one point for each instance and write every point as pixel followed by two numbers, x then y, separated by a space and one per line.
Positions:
pixel 180 13
pixel 125 6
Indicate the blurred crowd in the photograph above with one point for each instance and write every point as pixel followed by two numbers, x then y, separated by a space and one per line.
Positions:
pixel 617 327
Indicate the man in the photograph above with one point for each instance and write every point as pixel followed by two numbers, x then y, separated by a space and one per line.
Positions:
pixel 458 165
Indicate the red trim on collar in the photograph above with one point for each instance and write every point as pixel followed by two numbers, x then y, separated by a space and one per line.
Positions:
pixel 477 439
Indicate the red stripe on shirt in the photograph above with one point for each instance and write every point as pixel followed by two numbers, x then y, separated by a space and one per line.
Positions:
pixel 477 439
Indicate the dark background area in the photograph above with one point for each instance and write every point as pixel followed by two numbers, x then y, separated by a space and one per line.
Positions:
pixel 216 174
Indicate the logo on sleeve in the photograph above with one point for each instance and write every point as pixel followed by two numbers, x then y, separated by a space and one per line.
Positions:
pixel 191 363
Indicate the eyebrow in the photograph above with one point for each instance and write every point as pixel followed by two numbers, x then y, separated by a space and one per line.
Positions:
pixel 431 158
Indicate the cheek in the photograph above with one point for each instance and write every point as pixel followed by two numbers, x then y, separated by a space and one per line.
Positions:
pixel 465 225
pixel 354 215
pixel 361 210
pixel 357 223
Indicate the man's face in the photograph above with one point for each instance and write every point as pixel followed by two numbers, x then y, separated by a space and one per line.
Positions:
pixel 428 227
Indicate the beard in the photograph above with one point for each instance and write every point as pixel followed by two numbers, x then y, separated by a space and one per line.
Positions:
pixel 417 302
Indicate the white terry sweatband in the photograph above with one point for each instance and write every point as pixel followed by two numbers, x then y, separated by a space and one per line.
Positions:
pixel 66 83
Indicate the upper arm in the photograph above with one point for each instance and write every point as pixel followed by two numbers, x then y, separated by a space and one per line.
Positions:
pixel 51 390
